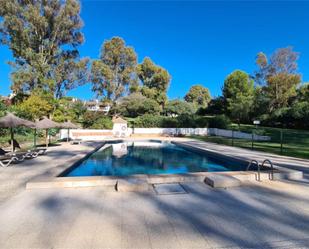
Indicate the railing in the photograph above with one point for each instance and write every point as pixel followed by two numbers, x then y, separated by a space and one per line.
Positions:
pixel 259 169
pixel 271 166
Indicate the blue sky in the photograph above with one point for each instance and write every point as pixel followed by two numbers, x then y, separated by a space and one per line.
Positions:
pixel 198 42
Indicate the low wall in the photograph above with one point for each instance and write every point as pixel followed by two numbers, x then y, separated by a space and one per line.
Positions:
pixel 169 131
pixel 91 134
pixel 86 134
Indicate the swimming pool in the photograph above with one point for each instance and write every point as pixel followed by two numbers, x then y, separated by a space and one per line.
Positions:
pixel 148 157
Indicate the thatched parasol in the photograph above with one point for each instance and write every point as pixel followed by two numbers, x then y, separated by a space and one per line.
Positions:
pixel 11 121
pixel 69 125
pixel 46 124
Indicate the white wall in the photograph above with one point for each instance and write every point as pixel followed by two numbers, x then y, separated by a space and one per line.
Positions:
pixel 90 134
pixel 86 134
pixel 169 131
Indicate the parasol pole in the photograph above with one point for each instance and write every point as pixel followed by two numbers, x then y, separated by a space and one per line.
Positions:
pixel 34 139
pixel 46 137
pixel 12 139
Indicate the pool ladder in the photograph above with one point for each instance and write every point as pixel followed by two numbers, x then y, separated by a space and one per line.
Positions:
pixel 259 168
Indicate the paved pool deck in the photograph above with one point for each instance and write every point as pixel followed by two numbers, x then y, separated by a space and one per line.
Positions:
pixel 271 214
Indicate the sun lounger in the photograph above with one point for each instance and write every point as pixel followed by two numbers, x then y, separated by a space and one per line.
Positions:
pixel 76 141
pixel 3 152
pixel 36 152
pixel 6 160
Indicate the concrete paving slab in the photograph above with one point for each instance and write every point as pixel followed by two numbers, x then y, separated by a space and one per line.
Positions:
pixel 132 184
pixel 169 189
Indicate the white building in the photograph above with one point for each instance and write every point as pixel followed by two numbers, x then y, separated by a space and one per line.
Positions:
pixel 97 106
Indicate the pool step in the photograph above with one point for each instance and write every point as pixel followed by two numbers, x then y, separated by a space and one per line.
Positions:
pixel 222 181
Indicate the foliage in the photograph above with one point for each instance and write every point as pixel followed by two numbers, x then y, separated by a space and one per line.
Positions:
pixel 148 121
pixel 178 107
pixel 303 92
pixel 191 121
pixel 3 109
pixel 155 80
pixel 35 107
pixel 96 120
pixel 136 104
pixel 238 93
pixel 113 73
pixel 102 123
pixel 278 76
pixel 219 121
pixel 215 106
pixel 198 95
pixel 260 103
pixel 182 121
pixel 67 109
pixel 43 37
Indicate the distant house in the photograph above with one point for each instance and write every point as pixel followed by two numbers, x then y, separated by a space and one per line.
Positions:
pixel 7 100
pixel 97 106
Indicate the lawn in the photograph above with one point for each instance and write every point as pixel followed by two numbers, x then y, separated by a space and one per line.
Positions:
pixel 295 143
pixel 24 136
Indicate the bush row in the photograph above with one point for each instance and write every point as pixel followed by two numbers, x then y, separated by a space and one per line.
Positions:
pixel 181 121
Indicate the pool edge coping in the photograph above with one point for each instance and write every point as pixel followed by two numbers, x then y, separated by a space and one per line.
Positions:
pixel 59 181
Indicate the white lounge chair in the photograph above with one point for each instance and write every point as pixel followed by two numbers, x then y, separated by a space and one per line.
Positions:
pixel 6 160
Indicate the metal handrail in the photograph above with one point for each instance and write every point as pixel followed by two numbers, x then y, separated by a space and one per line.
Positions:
pixel 271 166
pixel 259 169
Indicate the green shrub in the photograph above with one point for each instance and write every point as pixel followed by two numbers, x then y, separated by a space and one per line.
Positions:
pixel 179 107
pixel 102 123
pixel 136 105
pixel 169 122
pixel 182 121
pixel 148 121
pixel 220 121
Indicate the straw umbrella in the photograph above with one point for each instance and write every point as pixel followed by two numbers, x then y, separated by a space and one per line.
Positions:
pixel 11 121
pixel 46 124
pixel 69 125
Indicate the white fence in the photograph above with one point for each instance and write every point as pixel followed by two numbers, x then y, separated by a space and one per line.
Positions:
pixel 168 131
pixel 236 134
pixel 91 134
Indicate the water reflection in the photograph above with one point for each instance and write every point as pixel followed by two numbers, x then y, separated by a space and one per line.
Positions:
pixel 147 158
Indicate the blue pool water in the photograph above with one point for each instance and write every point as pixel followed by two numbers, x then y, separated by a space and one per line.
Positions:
pixel 121 159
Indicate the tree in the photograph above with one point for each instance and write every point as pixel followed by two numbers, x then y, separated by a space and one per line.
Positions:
pixel 303 92
pixel 3 108
pixel 136 104
pixel 35 107
pixel 96 120
pixel 155 80
pixel 198 95
pixel 113 74
pixel 238 93
pixel 179 107
pixel 43 36
pixel 278 76
pixel 260 102
pixel 70 73
pixel 215 106
pixel 68 109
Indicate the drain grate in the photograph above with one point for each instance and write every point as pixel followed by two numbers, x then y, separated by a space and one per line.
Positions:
pixel 169 189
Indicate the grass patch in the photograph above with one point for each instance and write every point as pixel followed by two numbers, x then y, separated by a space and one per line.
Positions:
pixel 294 148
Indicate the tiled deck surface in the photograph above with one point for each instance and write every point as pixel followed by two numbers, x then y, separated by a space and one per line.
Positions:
pixel 261 215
